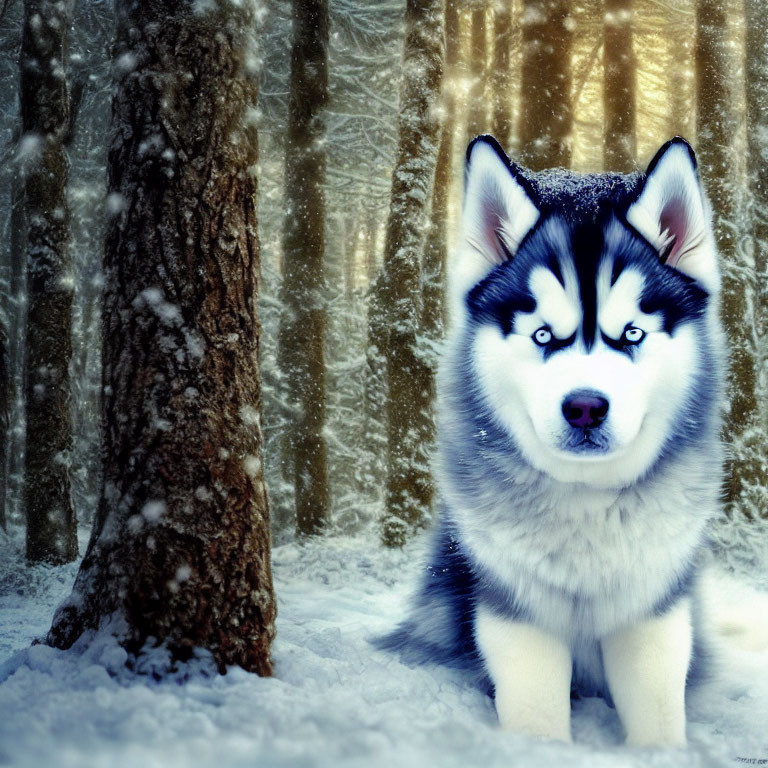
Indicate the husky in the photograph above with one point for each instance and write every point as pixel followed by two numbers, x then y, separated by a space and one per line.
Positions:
pixel 579 459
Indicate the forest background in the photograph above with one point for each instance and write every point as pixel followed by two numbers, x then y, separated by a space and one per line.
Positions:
pixel 362 117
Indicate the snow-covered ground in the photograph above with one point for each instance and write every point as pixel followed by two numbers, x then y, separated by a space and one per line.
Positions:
pixel 334 700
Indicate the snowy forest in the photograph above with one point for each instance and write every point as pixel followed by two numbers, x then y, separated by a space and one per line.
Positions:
pixel 224 230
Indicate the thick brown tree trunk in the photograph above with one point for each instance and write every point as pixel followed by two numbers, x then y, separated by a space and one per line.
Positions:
pixel 619 147
pixel 546 113
pixel 716 126
pixel 502 72
pixel 408 478
pixel 44 100
pixel 180 549
pixel 757 130
pixel 303 323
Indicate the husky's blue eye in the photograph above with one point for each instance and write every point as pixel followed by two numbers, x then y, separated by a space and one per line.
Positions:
pixel 633 335
pixel 543 336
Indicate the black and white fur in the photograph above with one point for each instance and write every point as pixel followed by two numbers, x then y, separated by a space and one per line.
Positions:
pixel 579 458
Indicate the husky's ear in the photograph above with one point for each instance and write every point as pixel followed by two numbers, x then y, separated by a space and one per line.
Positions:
pixel 498 212
pixel 672 213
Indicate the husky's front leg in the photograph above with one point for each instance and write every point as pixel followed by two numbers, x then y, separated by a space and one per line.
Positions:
pixel 646 666
pixel 531 673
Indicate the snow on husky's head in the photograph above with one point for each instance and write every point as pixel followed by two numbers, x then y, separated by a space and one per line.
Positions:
pixel 586 299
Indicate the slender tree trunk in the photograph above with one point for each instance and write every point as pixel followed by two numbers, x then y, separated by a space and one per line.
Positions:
pixel 303 323
pixel 376 392
pixel 436 249
pixel 14 459
pixel 436 246
pixel 375 387
pixel 502 72
pixel 408 479
pixel 680 87
pixel 716 127
pixel 757 130
pixel 619 147
pixel 546 112
pixel 10 333
pixel 352 225
pixel 371 232
pixel 5 391
pixel 477 115
pixel 44 99
pixel 179 552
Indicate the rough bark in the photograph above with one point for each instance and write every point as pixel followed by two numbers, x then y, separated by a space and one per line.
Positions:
pixel 477 109
pixel 179 552
pixel 408 478
pixel 546 112
pixel 45 120
pixel 303 322
pixel 716 126
pixel 756 66
pixel 619 146
pixel 503 43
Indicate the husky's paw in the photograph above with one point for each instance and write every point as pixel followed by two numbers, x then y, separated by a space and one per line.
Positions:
pixel 646 667
pixel 531 674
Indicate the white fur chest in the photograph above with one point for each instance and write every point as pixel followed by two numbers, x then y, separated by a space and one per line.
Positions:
pixel 582 562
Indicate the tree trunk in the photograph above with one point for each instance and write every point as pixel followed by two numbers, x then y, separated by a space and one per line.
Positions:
pixel 477 115
pixel 44 100
pixel 303 322
pixel 716 126
pixel 546 112
pixel 5 391
pixel 757 130
pixel 376 391
pixel 371 234
pixel 502 72
pixel 14 458
pixel 619 148
pixel 179 552
pixel 679 83
pixel 375 386
pixel 408 478
pixel 352 226
pixel 436 249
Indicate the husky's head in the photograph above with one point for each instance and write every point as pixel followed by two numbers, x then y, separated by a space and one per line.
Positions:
pixel 588 302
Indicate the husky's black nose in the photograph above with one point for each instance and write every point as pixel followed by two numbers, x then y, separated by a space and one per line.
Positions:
pixel 585 408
